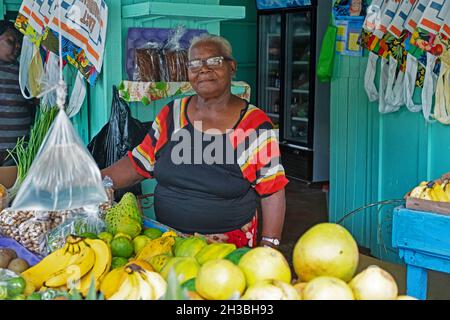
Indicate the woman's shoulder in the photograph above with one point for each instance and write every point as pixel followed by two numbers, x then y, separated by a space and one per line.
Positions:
pixel 255 118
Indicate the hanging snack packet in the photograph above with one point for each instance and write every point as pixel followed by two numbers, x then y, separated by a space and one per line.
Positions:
pixel 63 175
pixel 176 57
pixel 148 66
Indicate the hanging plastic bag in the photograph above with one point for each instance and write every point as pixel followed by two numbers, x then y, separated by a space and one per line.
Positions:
pixel 442 100
pixel 176 57
pixel 63 175
pixel 87 221
pixel 26 56
pixel 121 134
pixel 326 57
pixel 148 64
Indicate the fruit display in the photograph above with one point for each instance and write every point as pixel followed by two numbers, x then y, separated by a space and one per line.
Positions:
pixel 433 191
pixel 130 262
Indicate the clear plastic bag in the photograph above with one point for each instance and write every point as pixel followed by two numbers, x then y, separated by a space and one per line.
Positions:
pixel 148 63
pixel 176 56
pixel 63 175
pixel 8 285
pixel 87 221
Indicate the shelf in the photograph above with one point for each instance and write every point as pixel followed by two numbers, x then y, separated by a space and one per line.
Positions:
pixel 273 115
pixel 274 61
pixel 274 35
pixel 273 89
pixel 202 13
pixel 302 34
pixel 300 91
pixel 299 119
pixel 303 63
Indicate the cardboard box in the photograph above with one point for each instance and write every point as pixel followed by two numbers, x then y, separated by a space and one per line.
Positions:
pixel 8 176
pixel 427 205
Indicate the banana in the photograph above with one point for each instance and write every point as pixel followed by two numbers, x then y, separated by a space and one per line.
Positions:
pixel 135 292
pixel 54 262
pixel 79 265
pixel 146 291
pixel 440 193
pixel 124 290
pixel 101 266
pixel 417 191
pixel 112 281
pixel 157 282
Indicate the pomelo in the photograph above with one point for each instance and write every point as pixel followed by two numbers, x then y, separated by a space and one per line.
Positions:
pixel 327 249
pixel 264 263
pixel 219 279
pixel 327 288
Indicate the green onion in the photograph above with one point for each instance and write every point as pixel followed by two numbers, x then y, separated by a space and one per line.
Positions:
pixel 25 151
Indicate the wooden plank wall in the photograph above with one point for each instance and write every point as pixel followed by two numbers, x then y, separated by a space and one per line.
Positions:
pixel 376 156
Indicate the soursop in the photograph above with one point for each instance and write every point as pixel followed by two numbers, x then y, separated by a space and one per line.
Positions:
pixel 125 216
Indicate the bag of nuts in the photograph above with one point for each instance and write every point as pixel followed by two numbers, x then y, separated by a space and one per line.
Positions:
pixel 32 232
pixel 11 220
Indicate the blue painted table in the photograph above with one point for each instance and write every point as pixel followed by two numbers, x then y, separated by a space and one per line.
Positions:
pixel 423 240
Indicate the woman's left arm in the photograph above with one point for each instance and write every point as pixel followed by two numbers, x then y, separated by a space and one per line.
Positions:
pixel 273 212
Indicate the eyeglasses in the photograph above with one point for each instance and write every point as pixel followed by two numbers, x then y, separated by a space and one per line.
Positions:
pixel 212 63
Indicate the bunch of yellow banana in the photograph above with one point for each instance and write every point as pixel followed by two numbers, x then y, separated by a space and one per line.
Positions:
pixel 133 283
pixel 75 265
pixel 432 191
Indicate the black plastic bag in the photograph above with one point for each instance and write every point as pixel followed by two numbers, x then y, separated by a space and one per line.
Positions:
pixel 121 134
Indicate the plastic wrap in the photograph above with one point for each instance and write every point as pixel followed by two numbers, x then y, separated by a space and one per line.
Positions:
pixel 88 221
pixel 121 134
pixel 176 56
pixel 149 65
pixel 9 286
pixel 63 175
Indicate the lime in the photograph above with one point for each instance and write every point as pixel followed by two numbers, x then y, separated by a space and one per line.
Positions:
pixel 153 233
pixel 19 297
pixel 106 237
pixel 139 243
pixel 89 235
pixel 123 235
pixel 122 247
pixel 16 286
pixel 118 262
pixel 34 296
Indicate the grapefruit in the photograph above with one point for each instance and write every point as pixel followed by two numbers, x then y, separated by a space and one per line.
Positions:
pixel 327 288
pixel 264 263
pixel 327 249
pixel 271 290
pixel 219 279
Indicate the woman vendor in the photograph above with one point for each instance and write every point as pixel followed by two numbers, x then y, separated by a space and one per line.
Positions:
pixel 214 156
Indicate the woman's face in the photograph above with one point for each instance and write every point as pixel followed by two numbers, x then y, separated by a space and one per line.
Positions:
pixel 210 82
pixel 9 47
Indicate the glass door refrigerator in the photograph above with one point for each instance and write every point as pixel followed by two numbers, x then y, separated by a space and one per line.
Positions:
pixel 289 37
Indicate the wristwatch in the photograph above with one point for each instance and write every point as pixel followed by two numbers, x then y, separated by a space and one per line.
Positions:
pixel 273 241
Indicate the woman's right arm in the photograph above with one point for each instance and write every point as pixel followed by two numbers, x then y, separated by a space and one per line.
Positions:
pixel 122 173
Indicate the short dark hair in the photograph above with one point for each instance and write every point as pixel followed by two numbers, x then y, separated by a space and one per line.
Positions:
pixel 6 25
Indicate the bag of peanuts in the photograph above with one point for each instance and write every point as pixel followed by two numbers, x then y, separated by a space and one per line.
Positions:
pixel 176 56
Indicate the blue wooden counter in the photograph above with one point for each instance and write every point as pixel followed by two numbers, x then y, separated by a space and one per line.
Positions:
pixel 423 240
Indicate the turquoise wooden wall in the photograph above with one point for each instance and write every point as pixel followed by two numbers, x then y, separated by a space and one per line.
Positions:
pixel 376 156
pixel 242 35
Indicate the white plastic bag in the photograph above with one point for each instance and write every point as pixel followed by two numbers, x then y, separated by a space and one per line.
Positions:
pixel 63 175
